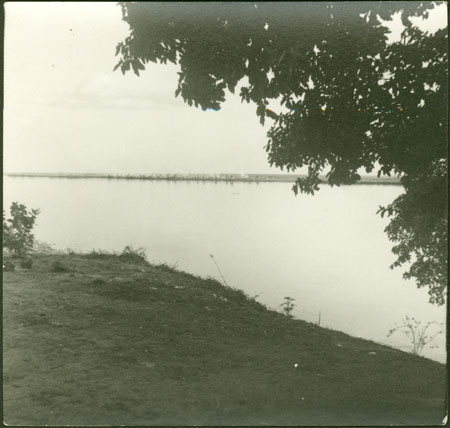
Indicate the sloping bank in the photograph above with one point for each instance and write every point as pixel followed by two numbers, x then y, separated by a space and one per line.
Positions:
pixel 104 339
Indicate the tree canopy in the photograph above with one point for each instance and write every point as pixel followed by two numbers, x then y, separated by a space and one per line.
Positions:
pixel 345 99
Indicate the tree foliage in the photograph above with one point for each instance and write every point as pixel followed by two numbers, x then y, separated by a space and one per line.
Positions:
pixel 346 99
pixel 17 230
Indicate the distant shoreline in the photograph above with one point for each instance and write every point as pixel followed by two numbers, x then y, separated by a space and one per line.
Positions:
pixel 245 178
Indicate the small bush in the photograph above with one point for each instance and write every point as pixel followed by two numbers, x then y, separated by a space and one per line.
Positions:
pixel 129 254
pixel 288 306
pixel 166 268
pixel 17 230
pixel 57 266
pixel 26 263
pixel 8 267
pixel 419 334
pixel 43 247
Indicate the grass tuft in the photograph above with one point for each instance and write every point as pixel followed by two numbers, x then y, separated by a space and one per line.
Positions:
pixel 57 266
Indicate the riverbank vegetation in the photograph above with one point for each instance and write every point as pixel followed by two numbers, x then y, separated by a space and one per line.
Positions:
pixel 111 339
pixel 17 229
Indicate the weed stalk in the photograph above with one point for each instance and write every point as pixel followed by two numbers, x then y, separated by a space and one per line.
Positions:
pixel 218 268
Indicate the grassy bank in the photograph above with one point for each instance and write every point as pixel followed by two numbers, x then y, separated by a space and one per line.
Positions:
pixel 103 339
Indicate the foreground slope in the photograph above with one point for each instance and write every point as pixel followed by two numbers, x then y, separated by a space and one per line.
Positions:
pixel 104 339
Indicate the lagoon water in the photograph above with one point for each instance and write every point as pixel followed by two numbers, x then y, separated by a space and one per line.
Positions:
pixel 327 251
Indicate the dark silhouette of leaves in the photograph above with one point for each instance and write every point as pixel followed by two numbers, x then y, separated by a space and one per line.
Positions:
pixel 348 99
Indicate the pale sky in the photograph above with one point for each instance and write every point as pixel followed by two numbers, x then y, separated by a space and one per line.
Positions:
pixel 67 111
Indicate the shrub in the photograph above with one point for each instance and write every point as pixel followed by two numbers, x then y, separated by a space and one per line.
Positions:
pixel 8 267
pixel 26 263
pixel 17 230
pixel 418 334
pixel 129 254
pixel 166 267
pixel 288 306
pixel 57 266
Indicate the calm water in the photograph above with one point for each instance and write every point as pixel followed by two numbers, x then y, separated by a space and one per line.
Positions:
pixel 327 251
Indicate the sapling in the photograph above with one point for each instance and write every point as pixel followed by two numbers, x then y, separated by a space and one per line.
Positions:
pixel 418 334
pixel 17 230
pixel 288 306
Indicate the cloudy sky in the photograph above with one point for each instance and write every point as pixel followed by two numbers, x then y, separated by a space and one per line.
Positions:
pixel 67 111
